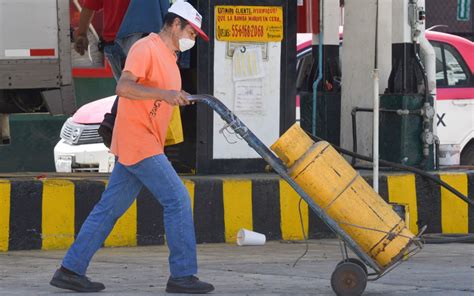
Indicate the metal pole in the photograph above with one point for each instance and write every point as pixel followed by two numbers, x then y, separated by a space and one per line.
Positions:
pixel 375 76
pixel 376 131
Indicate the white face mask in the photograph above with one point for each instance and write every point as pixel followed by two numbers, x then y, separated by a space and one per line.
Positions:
pixel 186 44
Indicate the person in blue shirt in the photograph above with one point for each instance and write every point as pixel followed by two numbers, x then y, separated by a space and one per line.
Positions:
pixel 142 18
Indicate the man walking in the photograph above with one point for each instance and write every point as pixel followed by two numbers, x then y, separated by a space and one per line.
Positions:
pixel 149 87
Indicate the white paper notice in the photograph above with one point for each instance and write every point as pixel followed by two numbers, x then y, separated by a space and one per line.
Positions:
pixel 247 63
pixel 249 97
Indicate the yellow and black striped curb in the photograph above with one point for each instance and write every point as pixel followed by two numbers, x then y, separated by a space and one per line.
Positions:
pixel 47 214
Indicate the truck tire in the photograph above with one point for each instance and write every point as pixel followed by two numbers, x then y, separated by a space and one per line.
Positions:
pixel 467 154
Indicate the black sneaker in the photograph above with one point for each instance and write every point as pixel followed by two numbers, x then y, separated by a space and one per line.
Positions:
pixel 188 285
pixel 74 282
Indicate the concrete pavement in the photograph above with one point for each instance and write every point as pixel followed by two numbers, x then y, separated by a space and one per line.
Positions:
pixel 437 270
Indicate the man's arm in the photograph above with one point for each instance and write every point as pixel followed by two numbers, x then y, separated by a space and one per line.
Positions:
pixel 128 87
pixel 80 37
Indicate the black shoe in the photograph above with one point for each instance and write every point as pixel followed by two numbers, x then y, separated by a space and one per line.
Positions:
pixel 74 282
pixel 188 285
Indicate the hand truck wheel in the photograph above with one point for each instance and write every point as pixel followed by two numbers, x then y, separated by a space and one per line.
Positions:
pixel 356 261
pixel 348 279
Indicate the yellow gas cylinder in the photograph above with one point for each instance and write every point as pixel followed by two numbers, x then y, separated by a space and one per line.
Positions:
pixel 344 196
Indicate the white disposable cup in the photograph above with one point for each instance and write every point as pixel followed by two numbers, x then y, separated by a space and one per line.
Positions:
pixel 246 237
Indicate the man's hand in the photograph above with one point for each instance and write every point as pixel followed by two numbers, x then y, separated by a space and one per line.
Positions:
pixel 80 36
pixel 81 43
pixel 176 98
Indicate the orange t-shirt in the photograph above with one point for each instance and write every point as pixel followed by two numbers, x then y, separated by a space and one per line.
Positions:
pixel 141 125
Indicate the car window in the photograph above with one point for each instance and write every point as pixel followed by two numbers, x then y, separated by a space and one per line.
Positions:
pixel 456 74
pixel 303 70
pixel 450 66
pixel 440 77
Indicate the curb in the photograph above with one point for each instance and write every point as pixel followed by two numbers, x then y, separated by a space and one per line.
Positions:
pixel 47 214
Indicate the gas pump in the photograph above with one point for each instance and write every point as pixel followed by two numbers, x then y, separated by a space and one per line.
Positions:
pixel 249 64
pixel 406 120
pixel 390 40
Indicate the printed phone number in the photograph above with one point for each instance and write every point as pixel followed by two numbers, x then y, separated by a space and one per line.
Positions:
pixel 247 31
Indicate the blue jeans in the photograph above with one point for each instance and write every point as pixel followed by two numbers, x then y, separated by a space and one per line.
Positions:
pixel 116 58
pixel 156 174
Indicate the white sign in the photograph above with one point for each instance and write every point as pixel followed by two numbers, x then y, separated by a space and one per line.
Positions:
pixel 247 63
pixel 249 97
pixel 241 96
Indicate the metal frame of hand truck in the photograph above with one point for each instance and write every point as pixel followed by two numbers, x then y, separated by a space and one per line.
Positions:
pixel 242 131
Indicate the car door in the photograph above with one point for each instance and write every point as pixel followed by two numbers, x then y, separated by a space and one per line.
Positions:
pixel 455 101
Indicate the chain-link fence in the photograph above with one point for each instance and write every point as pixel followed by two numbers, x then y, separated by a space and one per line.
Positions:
pixel 444 12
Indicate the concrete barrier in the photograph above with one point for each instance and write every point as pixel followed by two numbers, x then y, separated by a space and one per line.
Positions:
pixel 48 213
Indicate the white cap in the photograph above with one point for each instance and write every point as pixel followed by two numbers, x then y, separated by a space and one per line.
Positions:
pixel 189 13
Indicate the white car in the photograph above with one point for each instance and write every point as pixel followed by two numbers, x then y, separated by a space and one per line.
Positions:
pixel 81 148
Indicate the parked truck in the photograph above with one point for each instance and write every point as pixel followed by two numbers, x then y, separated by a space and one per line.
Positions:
pixel 35 59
